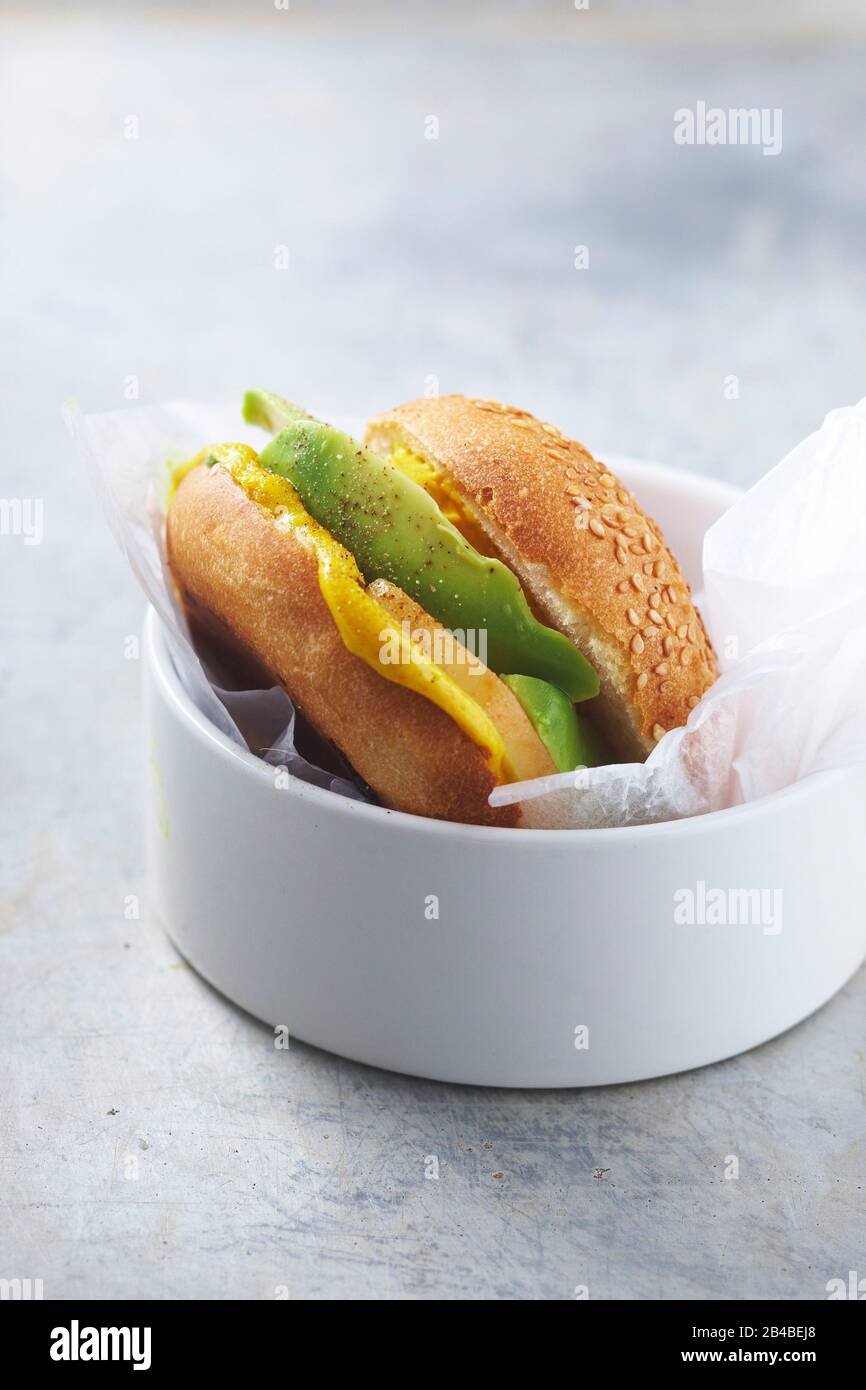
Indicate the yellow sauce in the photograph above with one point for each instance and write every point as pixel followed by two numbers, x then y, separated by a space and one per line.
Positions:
pixel 180 470
pixel 364 625
pixel 440 487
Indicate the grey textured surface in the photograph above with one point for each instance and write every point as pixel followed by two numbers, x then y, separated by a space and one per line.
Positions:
pixel 152 1141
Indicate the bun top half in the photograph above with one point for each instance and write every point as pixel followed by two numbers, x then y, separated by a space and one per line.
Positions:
pixel 591 562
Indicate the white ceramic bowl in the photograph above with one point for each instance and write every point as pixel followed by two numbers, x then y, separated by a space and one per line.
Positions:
pixel 556 958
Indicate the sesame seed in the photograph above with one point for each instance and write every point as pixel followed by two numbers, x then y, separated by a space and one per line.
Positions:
pixel 622 556
pixel 574 490
pixel 642 680
pixel 658 569
pixel 622 586
pixel 624 497
pixel 637 581
pixel 662 668
pixel 607 480
pixel 635 550
pixel 633 617
pixel 668 644
pixel 596 527
pixel 655 617
pixel 630 531
pixel 686 655
pixel 671 622
pixel 648 567
pixel 654 601
pixel 551 429
pixel 673 596
pixel 682 630
pixel 649 541
pixel 666 687
pixel 637 644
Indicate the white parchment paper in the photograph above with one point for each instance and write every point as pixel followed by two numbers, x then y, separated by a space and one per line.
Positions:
pixel 784 600
pixel 129 455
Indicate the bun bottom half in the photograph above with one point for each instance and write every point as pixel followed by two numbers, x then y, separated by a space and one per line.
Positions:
pixel 260 585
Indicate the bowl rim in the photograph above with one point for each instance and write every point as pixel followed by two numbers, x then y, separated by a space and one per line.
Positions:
pixel 158 658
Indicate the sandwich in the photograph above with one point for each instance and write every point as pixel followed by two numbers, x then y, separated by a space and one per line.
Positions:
pixel 465 600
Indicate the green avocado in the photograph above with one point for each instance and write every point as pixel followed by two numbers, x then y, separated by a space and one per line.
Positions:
pixel 569 737
pixel 396 531
pixel 271 412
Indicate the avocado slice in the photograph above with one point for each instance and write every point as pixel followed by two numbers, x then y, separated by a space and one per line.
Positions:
pixel 272 413
pixel 397 532
pixel 569 737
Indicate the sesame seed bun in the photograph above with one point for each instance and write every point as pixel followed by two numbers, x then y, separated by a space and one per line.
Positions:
pixel 591 562
pixel 258 588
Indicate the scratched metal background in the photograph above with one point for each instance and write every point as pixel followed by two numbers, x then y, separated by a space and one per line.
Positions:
pixel 152 1141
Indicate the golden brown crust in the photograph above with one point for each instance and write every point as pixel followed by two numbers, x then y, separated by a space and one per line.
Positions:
pixel 591 562
pixel 228 558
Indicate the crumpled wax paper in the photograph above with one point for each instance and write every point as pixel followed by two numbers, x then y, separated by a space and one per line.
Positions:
pixel 784 601
pixel 783 598
pixel 129 455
